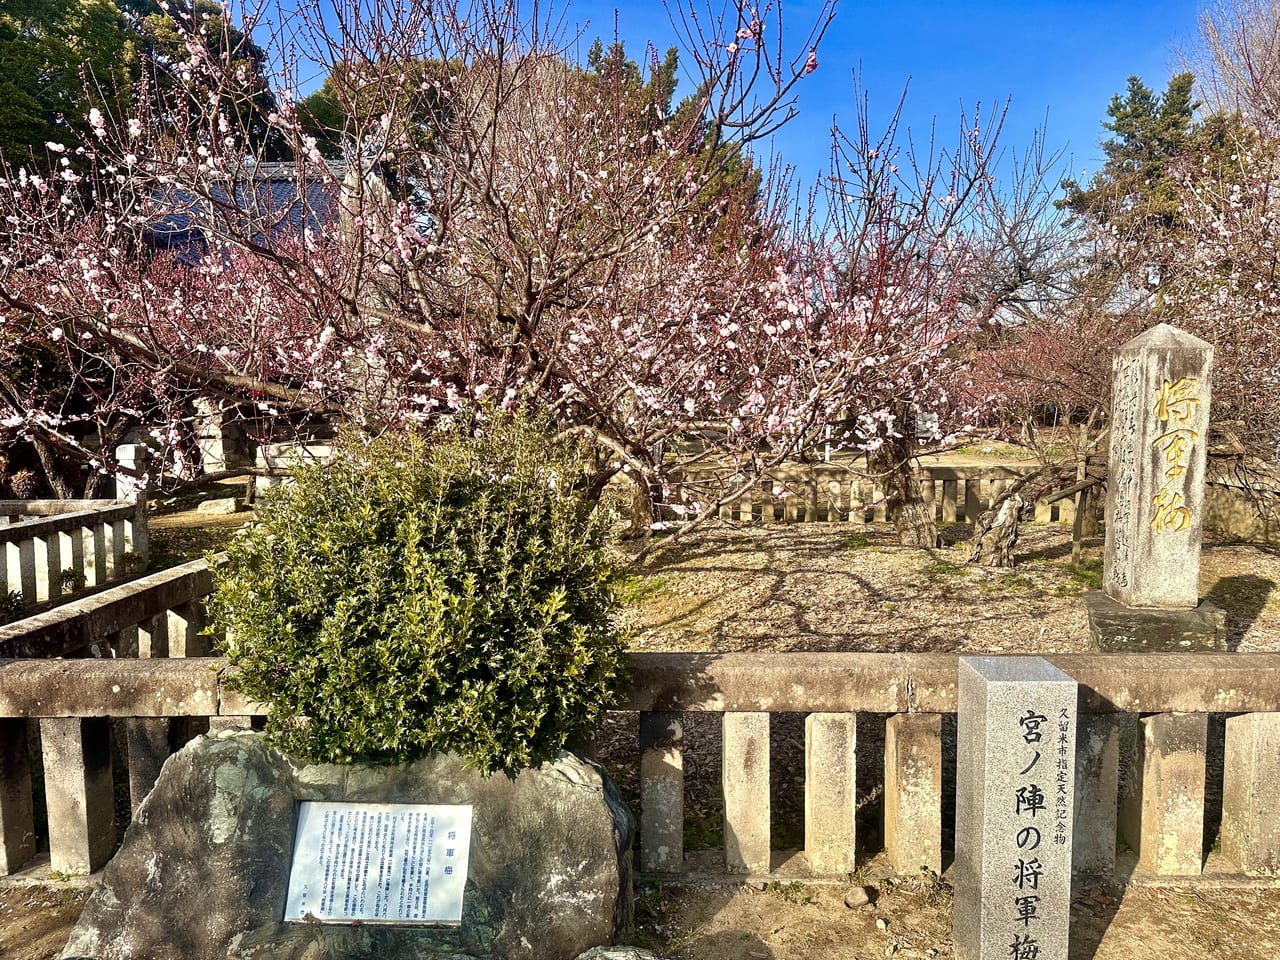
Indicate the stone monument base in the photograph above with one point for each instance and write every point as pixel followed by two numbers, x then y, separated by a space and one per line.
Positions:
pixel 204 870
pixel 1116 627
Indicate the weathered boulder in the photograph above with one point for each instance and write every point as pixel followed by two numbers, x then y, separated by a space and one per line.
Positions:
pixel 223 505
pixel 618 953
pixel 203 872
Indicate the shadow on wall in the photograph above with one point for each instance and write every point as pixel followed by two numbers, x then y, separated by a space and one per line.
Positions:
pixel 1233 512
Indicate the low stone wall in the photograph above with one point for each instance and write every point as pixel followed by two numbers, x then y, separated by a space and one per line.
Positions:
pixel 1233 513
pixel 1141 760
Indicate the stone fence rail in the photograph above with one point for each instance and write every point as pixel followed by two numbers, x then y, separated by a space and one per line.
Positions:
pixel 50 549
pixel 1142 746
pixel 836 492
pixel 842 492
pixel 155 616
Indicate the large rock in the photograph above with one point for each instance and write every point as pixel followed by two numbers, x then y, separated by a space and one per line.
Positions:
pixel 204 869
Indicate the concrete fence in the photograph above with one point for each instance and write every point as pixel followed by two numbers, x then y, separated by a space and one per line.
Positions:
pixel 157 615
pixel 1142 754
pixel 51 549
pixel 835 492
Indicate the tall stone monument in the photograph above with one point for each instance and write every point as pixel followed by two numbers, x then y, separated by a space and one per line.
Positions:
pixel 1150 596
pixel 1015 802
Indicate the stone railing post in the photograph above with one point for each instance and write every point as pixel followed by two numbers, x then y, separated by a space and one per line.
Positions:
pixel 662 791
pixel 830 770
pixel 1250 828
pixel 913 792
pixel 17 823
pixel 745 772
pixel 1163 812
pixel 77 783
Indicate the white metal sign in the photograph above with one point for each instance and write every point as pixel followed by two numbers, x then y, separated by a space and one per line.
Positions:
pixel 379 863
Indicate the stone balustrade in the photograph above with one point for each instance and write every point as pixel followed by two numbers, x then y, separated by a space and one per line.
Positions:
pixel 839 492
pixel 50 549
pixel 1141 749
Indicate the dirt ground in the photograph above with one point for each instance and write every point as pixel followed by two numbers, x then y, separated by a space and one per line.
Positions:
pixel 847 587
pixel 35 921
pixel 912 919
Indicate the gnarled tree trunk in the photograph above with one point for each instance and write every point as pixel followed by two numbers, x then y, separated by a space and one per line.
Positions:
pixel 893 466
pixel 995 533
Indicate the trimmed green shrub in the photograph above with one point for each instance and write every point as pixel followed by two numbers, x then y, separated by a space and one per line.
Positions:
pixel 412 598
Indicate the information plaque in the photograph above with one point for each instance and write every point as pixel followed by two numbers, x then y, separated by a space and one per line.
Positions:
pixel 379 863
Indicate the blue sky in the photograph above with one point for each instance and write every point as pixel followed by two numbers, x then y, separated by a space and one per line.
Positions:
pixel 1056 59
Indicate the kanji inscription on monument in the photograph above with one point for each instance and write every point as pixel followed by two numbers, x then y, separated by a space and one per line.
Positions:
pixel 1015 790
pixel 1155 490
pixel 379 863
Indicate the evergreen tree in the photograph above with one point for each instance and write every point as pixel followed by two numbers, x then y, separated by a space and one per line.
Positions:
pixel 57 59
pixel 1135 190
pixel 162 44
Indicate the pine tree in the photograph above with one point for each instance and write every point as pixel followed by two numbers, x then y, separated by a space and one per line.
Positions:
pixel 1134 190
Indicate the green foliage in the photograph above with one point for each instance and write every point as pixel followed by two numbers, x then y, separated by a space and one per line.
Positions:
pixel 632 589
pixel 793 893
pixel 413 598
pixel 857 541
pixel 943 568
pixel 71 580
pixel 1135 188
pixel 44 47
pixel 11 606
pixel 354 98
pixel 704 830
pixel 1088 573
pixel 163 46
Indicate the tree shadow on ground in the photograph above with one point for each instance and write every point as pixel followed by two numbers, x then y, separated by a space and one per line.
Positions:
pixel 1243 597
pixel 1094 905
pixel 1056 552
pixel 665 923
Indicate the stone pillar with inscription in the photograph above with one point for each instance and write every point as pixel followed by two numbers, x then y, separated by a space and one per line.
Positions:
pixel 1015 789
pixel 1150 596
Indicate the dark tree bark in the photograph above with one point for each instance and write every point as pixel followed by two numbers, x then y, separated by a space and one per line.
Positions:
pixel 893 467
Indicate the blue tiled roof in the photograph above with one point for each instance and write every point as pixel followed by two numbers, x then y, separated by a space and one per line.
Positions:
pixel 265 205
